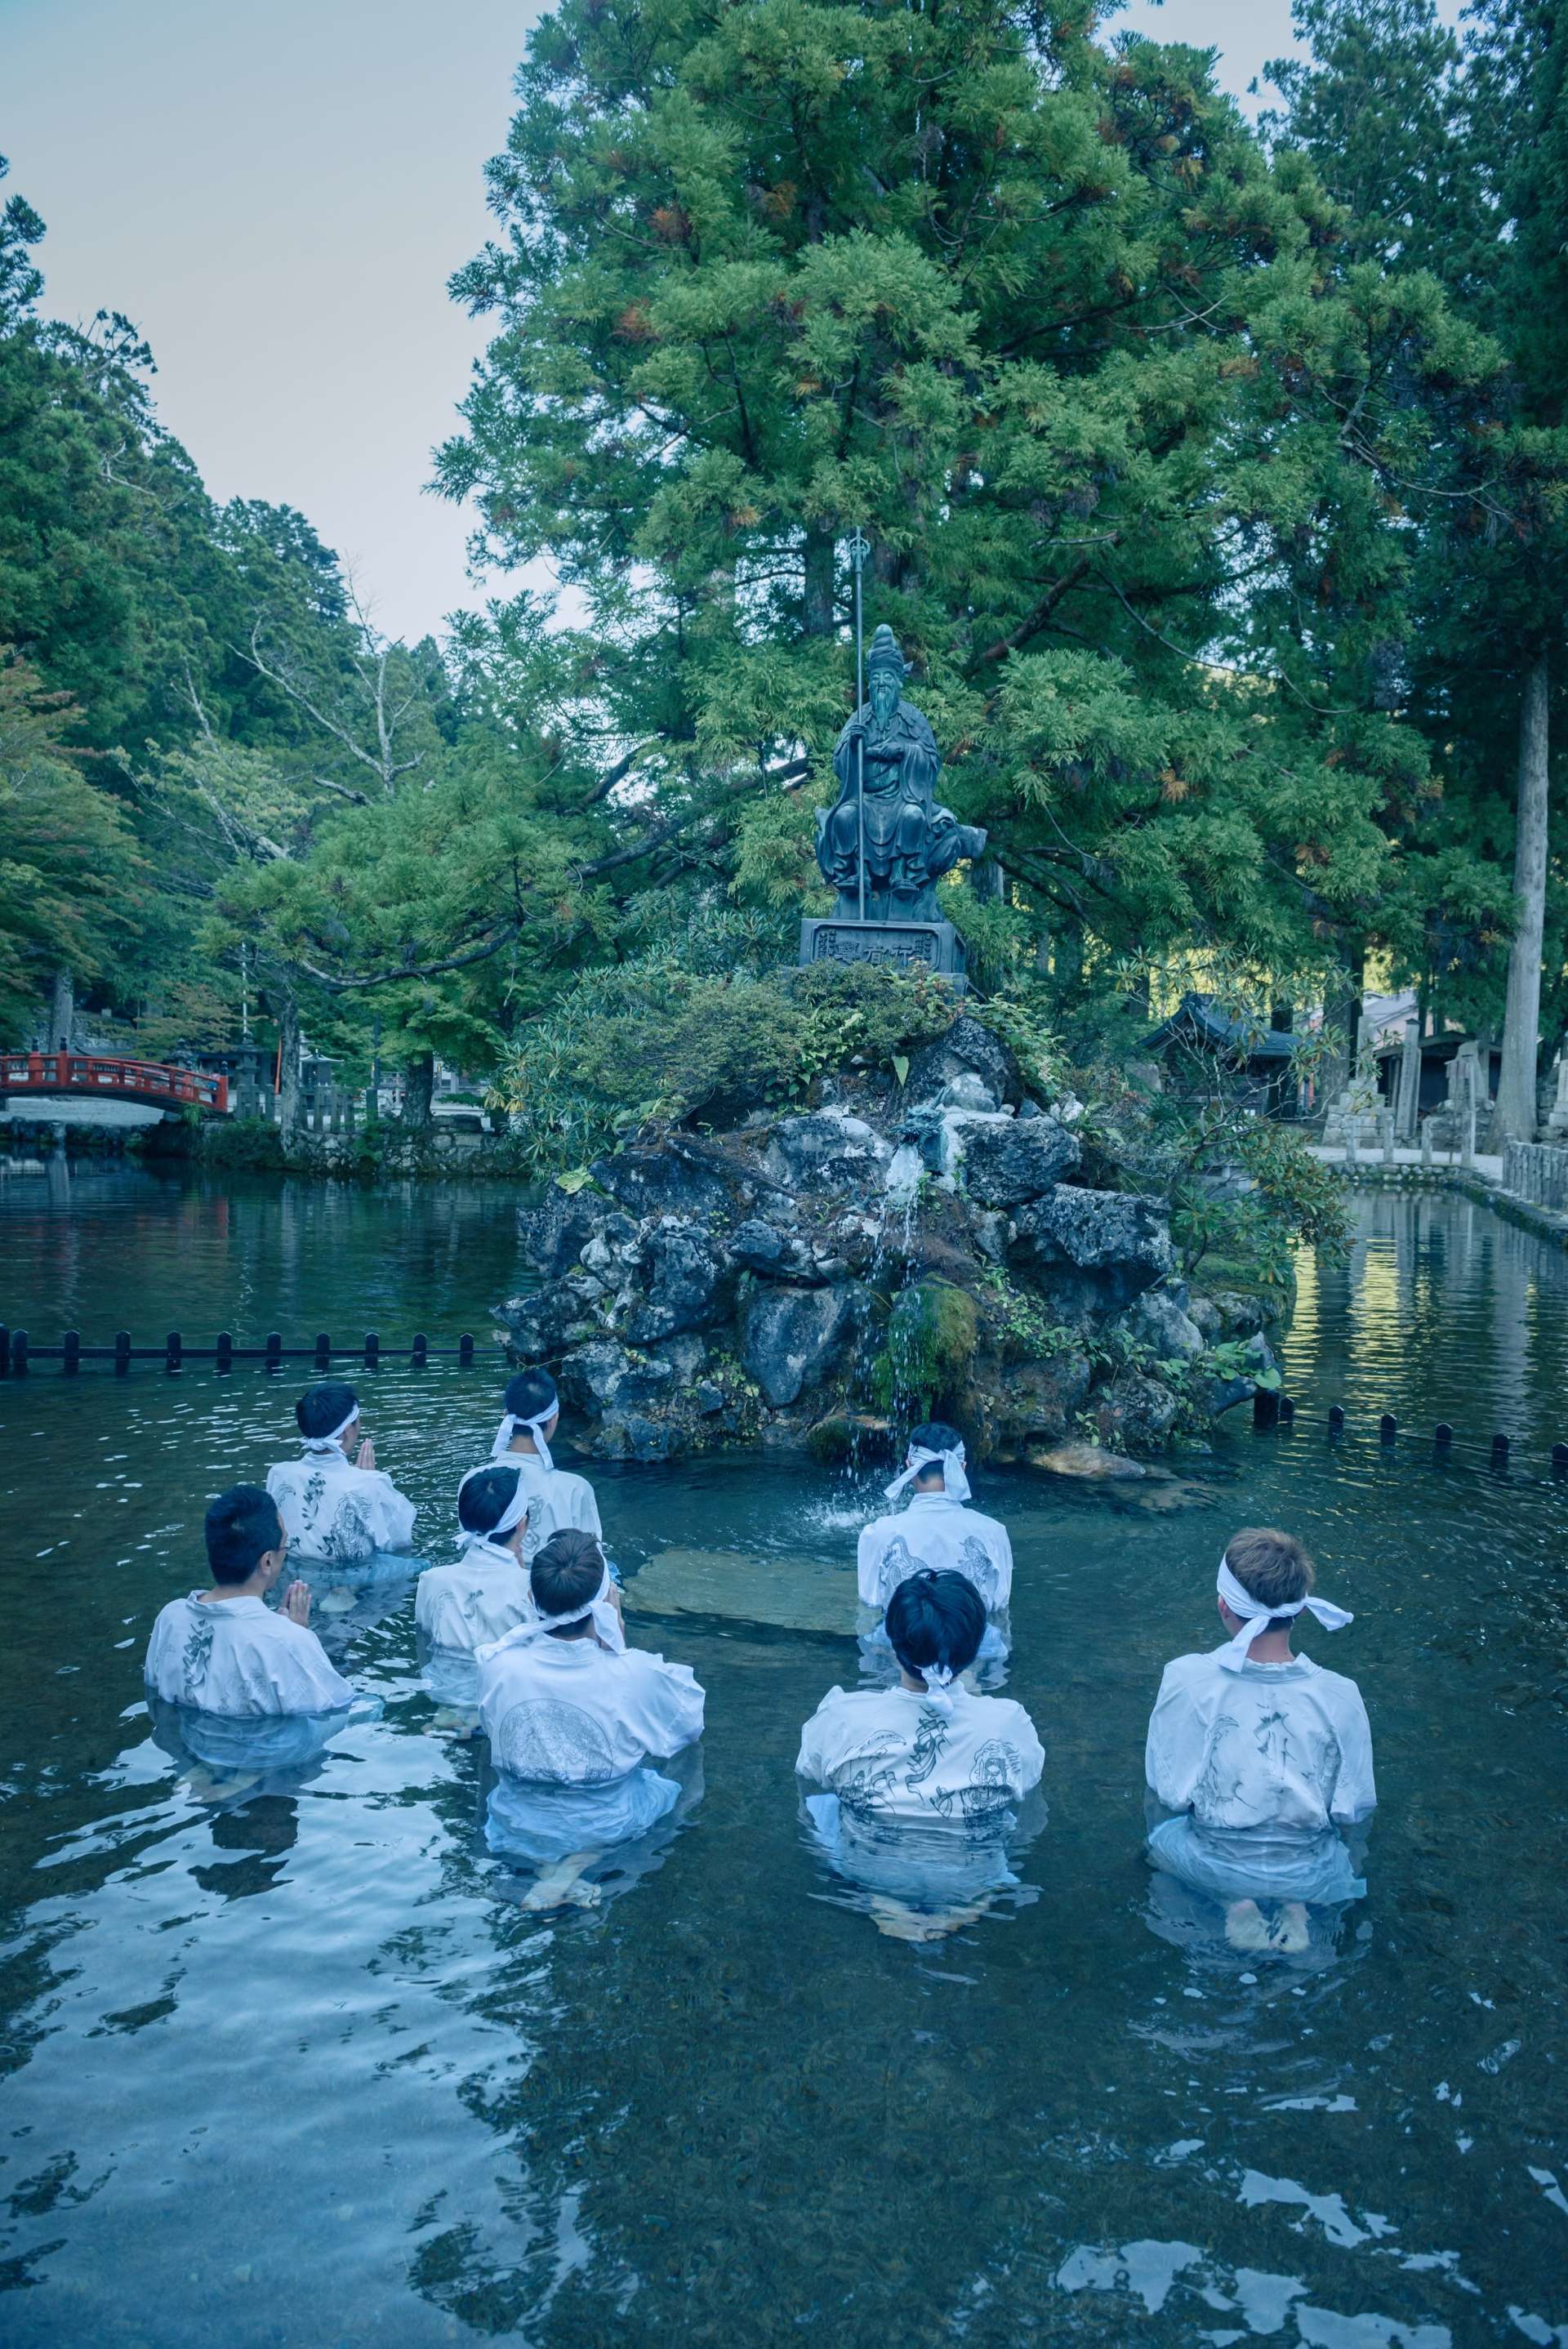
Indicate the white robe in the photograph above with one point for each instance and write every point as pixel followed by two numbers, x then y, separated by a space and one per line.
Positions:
pixel 943 1535
pixel 567 1712
pixel 558 1501
pixel 333 1510
pixel 1286 1746
pixel 480 1597
pixel 240 1656
pixel 890 1754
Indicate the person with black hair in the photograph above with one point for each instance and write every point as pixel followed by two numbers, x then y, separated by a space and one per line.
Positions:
pixel 334 1507
pixel 483 1592
pixel 225 1650
pixel 937 1529
pixel 916 1787
pixel 574 1722
pixel 927 1748
pixel 558 1501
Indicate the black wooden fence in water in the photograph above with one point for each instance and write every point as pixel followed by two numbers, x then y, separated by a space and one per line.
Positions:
pixel 1271 1410
pixel 17 1353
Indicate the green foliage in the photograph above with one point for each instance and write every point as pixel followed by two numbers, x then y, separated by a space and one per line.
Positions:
pixel 70 874
pixel 1020 1322
pixel 654 1038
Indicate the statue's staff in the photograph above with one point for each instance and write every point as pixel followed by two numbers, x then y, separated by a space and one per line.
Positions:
pixel 860 547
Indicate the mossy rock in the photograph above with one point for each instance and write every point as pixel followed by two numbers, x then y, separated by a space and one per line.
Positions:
pixel 933 1332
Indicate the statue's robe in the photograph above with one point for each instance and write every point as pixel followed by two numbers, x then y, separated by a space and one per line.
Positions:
pixel 910 840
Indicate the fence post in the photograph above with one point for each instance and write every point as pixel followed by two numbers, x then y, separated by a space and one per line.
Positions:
pixel 1265 1407
pixel 466 1350
pixel 421 1351
pixel 172 1350
pixel 372 1350
pixel 1427 1144
pixel 1442 1435
pixel 274 1350
pixel 19 1353
pixel 225 1349
pixel 5 1350
pixel 71 1348
pixel 323 1351
pixel 1336 1419
pixel 1500 1451
pixel 1388 1428
pixel 121 1352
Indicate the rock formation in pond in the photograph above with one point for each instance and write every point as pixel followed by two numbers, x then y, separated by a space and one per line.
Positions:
pixel 824 1278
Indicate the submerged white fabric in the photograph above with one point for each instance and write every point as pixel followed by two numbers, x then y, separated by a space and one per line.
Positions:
pixel 567 1712
pixel 954 1482
pixel 1257 1863
pixel 538 1823
pixel 1270 1746
pixel 239 1656
pixel 330 1509
pixel 510 1423
pixel 930 1864
pixel 937 1531
pixel 890 1752
pixel 1255 1615
pixel 477 1597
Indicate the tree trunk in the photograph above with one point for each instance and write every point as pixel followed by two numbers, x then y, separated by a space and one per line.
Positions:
pixel 62 1012
pixel 289 1118
pixel 1342 1024
pixel 820 615
pixel 1514 1117
pixel 418 1084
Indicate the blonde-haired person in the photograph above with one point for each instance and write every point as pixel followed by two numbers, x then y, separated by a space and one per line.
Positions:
pixel 1263 1755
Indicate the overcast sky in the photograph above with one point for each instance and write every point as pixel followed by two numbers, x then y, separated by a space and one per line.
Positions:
pixel 278 193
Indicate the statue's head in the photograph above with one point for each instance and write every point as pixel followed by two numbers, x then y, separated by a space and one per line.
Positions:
pixel 884 674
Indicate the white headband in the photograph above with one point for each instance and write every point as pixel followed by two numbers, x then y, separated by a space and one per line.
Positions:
pixel 511 1517
pixel 510 1424
pixel 954 1482
pixel 333 1443
pixel 606 1623
pixel 1251 1610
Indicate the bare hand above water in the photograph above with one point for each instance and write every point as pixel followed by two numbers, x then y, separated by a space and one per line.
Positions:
pixel 366 1456
pixel 297 1602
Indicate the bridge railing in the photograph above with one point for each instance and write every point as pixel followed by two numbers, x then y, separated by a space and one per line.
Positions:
pixel 95 1072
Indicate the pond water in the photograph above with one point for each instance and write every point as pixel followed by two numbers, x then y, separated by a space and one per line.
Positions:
pixel 296 2067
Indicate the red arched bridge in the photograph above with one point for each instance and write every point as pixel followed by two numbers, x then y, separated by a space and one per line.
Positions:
pixel 93 1076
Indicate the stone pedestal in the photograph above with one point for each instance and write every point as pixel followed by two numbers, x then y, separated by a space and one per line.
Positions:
pixel 911 947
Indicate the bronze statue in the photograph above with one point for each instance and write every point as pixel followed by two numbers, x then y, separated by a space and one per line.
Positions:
pixel 887 814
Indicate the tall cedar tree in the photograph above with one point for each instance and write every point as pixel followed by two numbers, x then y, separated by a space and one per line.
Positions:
pixel 1456 154
pixel 1037 313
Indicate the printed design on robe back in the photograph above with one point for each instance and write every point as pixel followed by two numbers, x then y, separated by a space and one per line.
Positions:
pixel 1250 1764
pixel 536 1530
pixel 976 1564
pixel 864 1782
pixel 198 1650
pixel 898 1563
pixel 560 1744
pixel 997 1768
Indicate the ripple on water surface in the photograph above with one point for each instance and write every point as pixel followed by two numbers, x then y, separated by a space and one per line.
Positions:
pixel 291 2065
